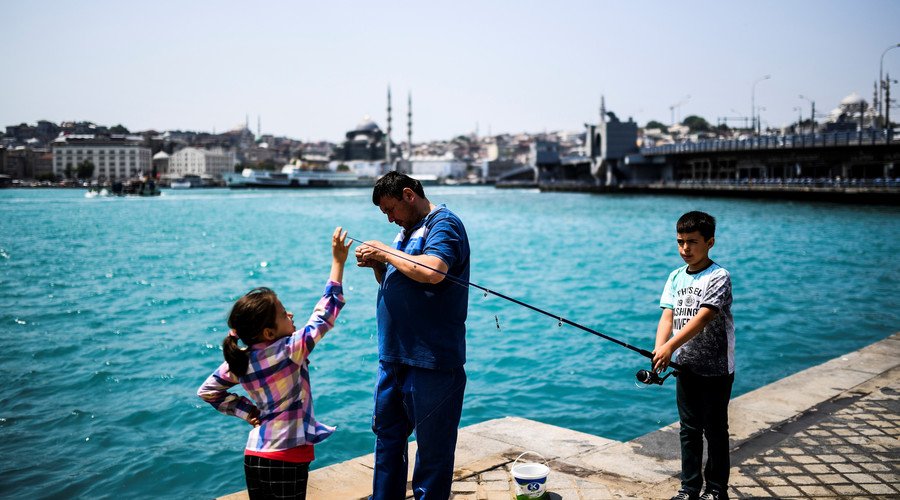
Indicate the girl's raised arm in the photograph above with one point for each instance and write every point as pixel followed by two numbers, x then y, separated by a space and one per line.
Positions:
pixel 339 251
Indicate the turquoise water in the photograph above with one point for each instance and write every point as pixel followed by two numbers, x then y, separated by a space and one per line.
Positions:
pixel 113 311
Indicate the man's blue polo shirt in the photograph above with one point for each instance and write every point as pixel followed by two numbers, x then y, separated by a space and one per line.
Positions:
pixel 420 324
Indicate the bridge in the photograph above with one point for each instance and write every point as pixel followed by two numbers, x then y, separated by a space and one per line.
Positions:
pixel 848 167
pixel 866 156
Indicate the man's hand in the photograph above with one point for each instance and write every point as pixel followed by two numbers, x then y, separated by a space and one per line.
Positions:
pixel 371 254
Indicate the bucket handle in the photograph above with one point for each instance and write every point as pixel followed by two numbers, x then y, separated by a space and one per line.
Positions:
pixel 525 453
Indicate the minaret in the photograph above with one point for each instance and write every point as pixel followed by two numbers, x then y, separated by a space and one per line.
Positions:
pixel 602 109
pixel 409 127
pixel 875 104
pixel 387 142
pixel 258 126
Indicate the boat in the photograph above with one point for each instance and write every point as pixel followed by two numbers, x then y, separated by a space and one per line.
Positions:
pixel 134 187
pixel 144 188
pixel 93 192
pixel 292 177
pixel 190 181
pixel 427 179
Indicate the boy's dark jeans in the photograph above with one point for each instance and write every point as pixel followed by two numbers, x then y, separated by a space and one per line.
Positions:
pixel 703 409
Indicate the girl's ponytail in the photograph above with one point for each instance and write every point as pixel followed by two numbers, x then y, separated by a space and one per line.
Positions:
pixel 250 316
pixel 237 358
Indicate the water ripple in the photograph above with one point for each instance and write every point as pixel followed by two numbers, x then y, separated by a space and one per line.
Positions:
pixel 114 313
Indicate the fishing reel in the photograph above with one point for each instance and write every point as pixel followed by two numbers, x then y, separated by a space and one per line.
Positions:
pixel 650 377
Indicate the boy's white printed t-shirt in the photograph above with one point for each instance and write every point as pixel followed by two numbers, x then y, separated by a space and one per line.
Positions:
pixel 710 352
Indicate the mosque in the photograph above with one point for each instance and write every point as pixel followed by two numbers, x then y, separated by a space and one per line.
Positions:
pixel 366 142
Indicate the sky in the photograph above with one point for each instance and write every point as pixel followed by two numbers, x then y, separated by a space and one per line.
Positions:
pixel 312 70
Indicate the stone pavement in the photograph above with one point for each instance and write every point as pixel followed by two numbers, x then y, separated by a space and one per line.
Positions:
pixel 831 431
pixel 852 452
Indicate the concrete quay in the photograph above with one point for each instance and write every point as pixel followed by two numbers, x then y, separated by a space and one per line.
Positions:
pixel 834 194
pixel 830 431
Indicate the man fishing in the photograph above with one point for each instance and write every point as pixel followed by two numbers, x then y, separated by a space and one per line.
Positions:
pixel 421 339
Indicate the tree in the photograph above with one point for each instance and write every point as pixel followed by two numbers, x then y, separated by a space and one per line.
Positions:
pixel 85 169
pixel 656 124
pixel 68 171
pixel 118 129
pixel 696 124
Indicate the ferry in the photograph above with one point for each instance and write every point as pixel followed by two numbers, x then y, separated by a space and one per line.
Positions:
pixel 131 187
pixel 190 181
pixel 292 177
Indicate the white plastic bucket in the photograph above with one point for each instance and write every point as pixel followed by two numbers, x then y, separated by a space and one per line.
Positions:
pixel 530 478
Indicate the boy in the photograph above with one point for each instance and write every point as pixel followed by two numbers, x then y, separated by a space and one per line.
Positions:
pixel 696 324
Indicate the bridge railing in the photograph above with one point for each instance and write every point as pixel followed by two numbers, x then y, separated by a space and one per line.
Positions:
pixel 792 182
pixel 776 142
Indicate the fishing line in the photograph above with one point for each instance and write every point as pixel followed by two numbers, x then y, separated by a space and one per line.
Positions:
pixel 650 379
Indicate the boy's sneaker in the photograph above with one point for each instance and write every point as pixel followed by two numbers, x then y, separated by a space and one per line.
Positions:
pixel 684 495
pixel 714 495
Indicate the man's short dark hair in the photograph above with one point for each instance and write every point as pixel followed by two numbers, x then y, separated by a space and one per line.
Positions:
pixel 392 184
pixel 697 221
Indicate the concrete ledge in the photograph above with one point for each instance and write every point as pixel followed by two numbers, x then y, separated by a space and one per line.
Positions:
pixel 591 467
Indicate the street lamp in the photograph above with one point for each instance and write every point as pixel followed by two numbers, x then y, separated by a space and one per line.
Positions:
pixel 759 111
pixel 881 80
pixel 755 122
pixel 812 113
pixel 677 105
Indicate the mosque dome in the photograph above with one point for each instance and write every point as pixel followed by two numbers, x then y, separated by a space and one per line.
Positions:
pixel 853 99
pixel 367 125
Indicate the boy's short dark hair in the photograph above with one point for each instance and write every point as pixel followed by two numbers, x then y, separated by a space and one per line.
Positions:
pixel 392 184
pixel 697 221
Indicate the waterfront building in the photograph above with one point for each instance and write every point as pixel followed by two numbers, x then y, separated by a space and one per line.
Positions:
pixel 42 164
pixel 161 163
pixel 3 155
pixel 611 141
pixel 436 168
pixel 196 161
pixel 114 157
pixel 544 153
pixel 42 133
pixel 496 154
pixel 320 149
pixel 18 163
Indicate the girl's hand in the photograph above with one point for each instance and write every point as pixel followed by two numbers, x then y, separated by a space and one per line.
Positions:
pixel 254 417
pixel 339 246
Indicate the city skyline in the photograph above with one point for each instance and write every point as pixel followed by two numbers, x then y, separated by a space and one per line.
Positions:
pixel 311 72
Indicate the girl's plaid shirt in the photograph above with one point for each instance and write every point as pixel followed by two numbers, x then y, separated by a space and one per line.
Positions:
pixel 277 382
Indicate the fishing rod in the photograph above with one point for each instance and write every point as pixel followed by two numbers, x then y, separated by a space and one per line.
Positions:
pixel 644 376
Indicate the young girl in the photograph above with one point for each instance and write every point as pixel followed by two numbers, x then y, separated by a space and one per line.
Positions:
pixel 274 370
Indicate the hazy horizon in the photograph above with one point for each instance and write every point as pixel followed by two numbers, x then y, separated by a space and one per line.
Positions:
pixel 311 71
